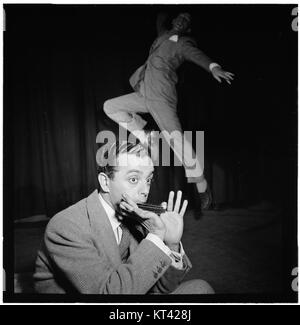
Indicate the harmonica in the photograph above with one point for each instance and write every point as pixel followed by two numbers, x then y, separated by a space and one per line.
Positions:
pixel 157 209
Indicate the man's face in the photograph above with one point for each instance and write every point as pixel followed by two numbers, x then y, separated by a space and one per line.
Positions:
pixel 181 23
pixel 133 177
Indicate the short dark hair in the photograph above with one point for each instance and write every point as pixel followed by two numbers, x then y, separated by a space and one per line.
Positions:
pixel 187 15
pixel 110 155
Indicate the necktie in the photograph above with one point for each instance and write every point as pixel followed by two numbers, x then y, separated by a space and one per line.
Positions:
pixel 124 243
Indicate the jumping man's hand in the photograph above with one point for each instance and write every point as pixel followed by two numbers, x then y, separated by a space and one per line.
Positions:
pixel 218 73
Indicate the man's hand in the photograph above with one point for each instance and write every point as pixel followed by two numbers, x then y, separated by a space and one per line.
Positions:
pixel 219 73
pixel 152 221
pixel 169 226
pixel 173 219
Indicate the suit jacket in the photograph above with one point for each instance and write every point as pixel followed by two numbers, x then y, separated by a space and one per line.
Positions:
pixel 80 254
pixel 158 74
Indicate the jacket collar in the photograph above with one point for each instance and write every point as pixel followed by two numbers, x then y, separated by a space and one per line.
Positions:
pixel 158 42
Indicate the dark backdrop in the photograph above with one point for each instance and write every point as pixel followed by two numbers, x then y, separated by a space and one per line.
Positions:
pixel 61 62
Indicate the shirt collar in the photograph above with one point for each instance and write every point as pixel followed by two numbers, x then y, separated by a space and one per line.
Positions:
pixel 111 213
pixel 174 38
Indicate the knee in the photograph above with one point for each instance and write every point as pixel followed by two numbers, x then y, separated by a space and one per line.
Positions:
pixel 195 287
pixel 202 287
pixel 107 107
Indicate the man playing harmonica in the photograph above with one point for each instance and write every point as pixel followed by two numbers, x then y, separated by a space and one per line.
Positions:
pixel 97 246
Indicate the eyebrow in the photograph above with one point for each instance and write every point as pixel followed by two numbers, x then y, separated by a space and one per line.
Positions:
pixel 139 172
pixel 150 174
pixel 134 171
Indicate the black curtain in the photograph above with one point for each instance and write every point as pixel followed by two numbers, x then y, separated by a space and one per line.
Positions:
pixel 62 62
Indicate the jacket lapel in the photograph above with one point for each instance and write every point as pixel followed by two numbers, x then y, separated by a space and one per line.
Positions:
pixel 157 43
pixel 102 229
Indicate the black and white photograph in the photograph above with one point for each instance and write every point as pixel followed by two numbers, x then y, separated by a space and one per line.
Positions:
pixel 150 153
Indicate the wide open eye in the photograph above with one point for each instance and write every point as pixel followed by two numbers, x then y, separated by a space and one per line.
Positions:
pixel 133 180
pixel 149 181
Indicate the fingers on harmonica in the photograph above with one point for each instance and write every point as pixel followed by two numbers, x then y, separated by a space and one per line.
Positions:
pixel 124 205
pixel 147 224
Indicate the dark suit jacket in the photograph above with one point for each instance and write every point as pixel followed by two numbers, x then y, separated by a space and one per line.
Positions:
pixel 80 254
pixel 158 74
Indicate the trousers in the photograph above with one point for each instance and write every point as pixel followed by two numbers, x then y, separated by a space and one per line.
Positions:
pixel 195 287
pixel 124 111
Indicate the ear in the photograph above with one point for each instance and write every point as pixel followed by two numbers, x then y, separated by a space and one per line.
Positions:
pixel 104 182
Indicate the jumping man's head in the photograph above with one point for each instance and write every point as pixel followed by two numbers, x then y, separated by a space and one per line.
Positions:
pixel 182 23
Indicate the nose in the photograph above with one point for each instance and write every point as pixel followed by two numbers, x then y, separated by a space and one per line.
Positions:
pixel 144 190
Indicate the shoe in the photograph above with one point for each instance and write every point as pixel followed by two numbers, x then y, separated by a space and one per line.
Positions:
pixel 203 201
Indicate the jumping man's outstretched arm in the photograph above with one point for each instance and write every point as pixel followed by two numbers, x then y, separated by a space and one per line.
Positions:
pixel 190 52
pixel 161 23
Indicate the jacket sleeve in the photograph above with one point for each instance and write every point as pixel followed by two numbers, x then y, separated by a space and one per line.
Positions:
pixel 136 77
pixel 172 278
pixel 189 51
pixel 90 271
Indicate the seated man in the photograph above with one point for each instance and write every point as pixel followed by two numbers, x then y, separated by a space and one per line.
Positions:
pixel 97 246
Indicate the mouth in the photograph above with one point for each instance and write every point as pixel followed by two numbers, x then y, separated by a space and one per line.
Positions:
pixel 141 202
